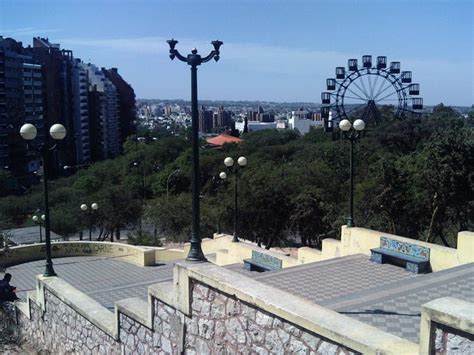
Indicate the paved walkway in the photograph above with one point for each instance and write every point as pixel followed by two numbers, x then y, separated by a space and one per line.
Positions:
pixel 105 279
pixel 385 296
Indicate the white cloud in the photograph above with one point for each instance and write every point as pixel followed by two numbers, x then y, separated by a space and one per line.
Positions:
pixel 27 31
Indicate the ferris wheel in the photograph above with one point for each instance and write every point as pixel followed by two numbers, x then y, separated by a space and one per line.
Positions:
pixel 360 90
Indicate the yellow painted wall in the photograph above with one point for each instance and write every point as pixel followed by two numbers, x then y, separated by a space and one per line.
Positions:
pixel 361 240
pixel 21 254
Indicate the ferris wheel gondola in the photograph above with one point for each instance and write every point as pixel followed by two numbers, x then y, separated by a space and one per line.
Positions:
pixel 359 91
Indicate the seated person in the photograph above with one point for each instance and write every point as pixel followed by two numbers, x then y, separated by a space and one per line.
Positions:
pixel 7 292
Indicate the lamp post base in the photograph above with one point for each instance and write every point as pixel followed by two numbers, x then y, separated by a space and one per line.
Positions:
pixel 49 271
pixel 350 222
pixel 195 253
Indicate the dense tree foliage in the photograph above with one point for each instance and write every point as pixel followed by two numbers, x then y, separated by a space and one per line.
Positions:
pixel 414 177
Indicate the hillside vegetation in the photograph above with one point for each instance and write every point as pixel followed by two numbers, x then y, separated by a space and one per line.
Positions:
pixel 414 178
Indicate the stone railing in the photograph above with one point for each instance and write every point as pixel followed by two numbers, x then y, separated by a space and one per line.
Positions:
pixel 447 327
pixel 205 309
pixel 142 256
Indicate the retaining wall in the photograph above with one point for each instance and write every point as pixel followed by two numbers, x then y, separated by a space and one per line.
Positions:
pixel 205 309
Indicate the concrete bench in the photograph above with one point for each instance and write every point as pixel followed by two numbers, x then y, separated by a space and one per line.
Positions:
pixel 262 262
pixel 415 257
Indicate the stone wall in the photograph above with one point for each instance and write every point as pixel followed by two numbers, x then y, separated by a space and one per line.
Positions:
pixel 63 330
pixel 205 310
pixel 166 337
pixel 219 324
pixel 452 341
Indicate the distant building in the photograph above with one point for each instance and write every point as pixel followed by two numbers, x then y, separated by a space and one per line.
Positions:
pixel 222 118
pixel 82 125
pixel 104 115
pixel 43 85
pixel 255 126
pixel 303 125
pixel 205 120
pixel 126 102
pixel 260 116
pixel 222 139
pixel 12 105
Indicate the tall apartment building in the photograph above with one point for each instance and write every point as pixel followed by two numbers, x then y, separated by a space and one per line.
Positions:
pixel 205 120
pixel 104 115
pixel 126 105
pixel 82 132
pixel 33 107
pixel 222 118
pixel 44 84
pixel 19 76
pixel 57 65
pixel 260 116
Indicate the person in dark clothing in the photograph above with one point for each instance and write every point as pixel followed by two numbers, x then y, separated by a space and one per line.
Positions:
pixel 7 292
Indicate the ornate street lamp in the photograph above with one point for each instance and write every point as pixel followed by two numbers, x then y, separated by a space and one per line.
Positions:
pixel 229 162
pixel 39 220
pixel 352 133
pixel 57 132
pixel 194 60
pixel 94 208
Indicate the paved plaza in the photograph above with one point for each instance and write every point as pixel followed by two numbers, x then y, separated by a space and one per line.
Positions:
pixel 385 296
pixel 105 279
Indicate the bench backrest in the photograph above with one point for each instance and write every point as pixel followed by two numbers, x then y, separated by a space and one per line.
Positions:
pixel 405 248
pixel 269 261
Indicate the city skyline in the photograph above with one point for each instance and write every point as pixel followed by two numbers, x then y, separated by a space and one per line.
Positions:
pixel 273 51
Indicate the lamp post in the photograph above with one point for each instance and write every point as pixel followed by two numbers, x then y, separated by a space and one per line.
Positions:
pixel 219 180
pixel 141 175
pixel 39 220
pixel 84 208
pixel 351 131
pixel 57 132
pixel 194 60
pixel 229 162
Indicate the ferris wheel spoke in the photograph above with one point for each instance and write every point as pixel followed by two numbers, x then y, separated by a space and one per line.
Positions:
pixel 381 92
pixel 360 97
pixel 355 108
pixel 375 85
pixel 391 94
pixel 360 89
pixel 370 86
pixel 355 98
pixel 380 88
pixel 367 93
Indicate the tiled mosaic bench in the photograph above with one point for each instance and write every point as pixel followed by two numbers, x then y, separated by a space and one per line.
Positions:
pixel 262 262
pixel 417 257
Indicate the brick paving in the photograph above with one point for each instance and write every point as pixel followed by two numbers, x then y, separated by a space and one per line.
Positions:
pixel 105 279
pixel 385 296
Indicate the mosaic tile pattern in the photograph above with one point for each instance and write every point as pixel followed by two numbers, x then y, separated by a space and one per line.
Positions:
pixel 405 248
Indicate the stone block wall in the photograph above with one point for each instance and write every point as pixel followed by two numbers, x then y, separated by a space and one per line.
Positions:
pixel 222 324
pixel 166 337
pixel 62 330
pixel 452 341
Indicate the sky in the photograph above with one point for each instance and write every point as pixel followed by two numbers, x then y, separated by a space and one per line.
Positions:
pixel 273 50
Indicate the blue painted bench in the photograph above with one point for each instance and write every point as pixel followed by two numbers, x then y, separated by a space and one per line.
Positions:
pixel 416 257
pixel 262 262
